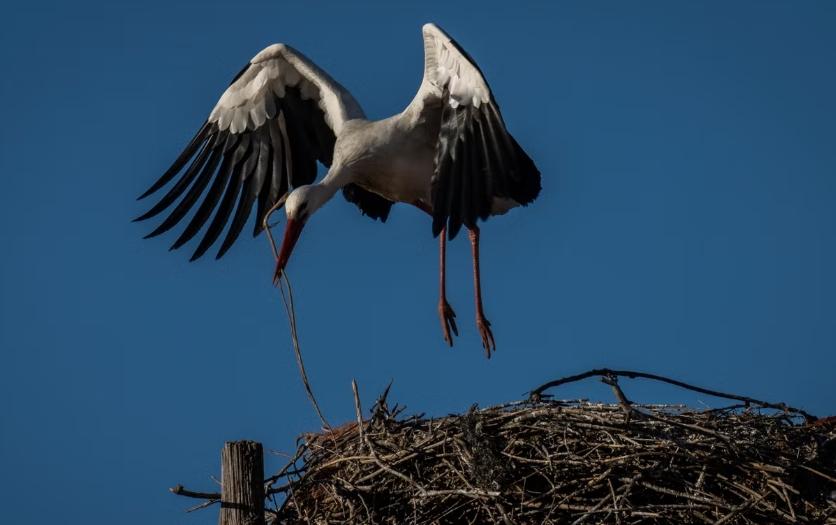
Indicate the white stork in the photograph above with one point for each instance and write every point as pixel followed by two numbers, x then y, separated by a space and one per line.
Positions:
pixel 448 153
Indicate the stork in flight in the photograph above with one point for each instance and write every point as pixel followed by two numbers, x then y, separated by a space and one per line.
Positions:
pixel 448 153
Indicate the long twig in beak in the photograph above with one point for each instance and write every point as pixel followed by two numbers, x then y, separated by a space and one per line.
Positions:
pixel 289 307
pixel 291 318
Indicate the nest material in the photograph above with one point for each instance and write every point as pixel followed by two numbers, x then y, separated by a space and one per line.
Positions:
pixel 564 462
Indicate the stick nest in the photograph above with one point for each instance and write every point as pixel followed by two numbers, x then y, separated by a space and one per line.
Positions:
pixel 549 461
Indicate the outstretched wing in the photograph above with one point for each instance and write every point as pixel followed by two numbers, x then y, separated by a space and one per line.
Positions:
pixel 280 115
pixel 479 167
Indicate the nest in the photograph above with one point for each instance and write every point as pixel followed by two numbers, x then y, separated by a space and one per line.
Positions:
pixel 549 461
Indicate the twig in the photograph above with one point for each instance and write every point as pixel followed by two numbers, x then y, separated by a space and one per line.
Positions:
pixel 740 508
pixel 291 312
pixel 592 511
pixel 203 505
pixel 265 224
pixel 212 497
pixel 178 490
pixel 358 411
pixel 472 493
pixel 625 403
pixel 291 317
pixel 816 472
pixel 291 464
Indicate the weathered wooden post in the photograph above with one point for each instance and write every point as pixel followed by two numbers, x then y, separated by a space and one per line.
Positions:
pixel 242 478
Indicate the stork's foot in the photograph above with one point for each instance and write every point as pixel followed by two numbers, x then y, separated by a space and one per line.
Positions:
pixel 448 321
pixel 484 327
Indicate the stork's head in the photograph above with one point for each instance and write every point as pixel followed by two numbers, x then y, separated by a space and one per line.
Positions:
pixel 300 205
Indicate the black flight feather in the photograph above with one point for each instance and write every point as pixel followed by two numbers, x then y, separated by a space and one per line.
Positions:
pixel 252 183
pixel 181 160
pixel 225 207
pixel 180 186
pixel 210 200
pixel 476 161
pixel 194 192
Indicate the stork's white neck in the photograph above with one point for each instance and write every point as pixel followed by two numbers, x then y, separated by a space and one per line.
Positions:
pixel 326 189
pixel 335 179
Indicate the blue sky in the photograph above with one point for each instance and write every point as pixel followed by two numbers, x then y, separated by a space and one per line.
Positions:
pixel 686 227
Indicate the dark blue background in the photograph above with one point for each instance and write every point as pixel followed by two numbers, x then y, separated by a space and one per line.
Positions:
pixel 687 227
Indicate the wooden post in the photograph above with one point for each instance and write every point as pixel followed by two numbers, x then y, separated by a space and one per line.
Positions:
pixel 242 479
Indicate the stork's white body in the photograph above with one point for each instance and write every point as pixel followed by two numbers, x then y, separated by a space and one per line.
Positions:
pixel 393 158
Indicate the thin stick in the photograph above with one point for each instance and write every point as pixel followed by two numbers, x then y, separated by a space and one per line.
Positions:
pixel 814 471
pixel 291 318
pixel 211 497
pixel 179 490
pixel 265 224
pixel 358 412
pixel 625 403
pixel 289 307
pixel 203 505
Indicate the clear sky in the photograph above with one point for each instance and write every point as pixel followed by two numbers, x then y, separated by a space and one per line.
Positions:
pixel 686 227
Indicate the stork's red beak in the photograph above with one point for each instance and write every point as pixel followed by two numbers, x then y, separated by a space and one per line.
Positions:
pixel 291 235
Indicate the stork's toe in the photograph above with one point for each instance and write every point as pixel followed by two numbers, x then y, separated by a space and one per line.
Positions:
pixel 448 321
pixel 485 332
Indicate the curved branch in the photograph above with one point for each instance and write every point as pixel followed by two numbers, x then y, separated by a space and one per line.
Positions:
pixel 606 372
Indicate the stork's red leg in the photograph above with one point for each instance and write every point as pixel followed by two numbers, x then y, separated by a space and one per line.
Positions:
pixel 445 312
pixel 482 324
